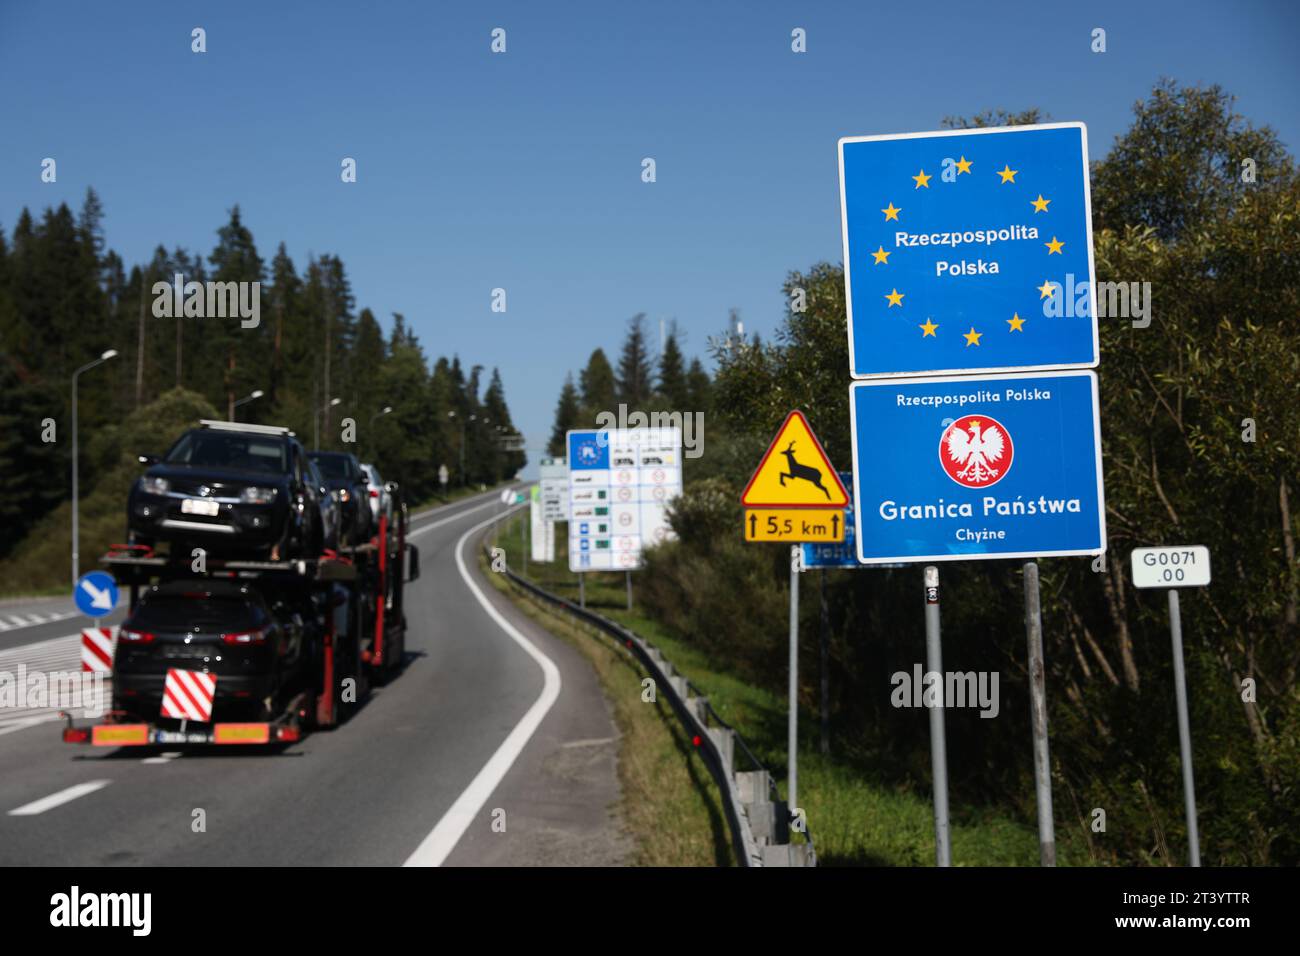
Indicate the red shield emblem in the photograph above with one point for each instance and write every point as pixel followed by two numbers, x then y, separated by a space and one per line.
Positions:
pixel 976 451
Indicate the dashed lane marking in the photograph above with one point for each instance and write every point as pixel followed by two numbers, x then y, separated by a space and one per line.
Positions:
pixel 58 799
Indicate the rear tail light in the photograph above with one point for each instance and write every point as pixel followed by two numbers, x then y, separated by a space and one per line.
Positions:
pixel 135 637
pixel 76 735
pixel 244 637
pixel 373 493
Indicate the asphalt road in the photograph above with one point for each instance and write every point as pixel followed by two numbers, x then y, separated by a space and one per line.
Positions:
pixel 495 746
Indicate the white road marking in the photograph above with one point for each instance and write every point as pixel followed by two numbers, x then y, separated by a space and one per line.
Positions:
pixel 20 723
pixel 59 655
pixel 458 515
pixel 17 622
pixel 435 847
pixel 58 799
pixel 592 742
pixel 163 758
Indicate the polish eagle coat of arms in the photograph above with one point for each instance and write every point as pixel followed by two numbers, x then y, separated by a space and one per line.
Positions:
pixel 976 451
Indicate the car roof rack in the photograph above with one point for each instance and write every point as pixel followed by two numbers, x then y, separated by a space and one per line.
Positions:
pixel 245 427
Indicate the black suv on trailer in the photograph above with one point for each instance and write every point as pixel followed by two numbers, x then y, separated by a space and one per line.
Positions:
pixel 231 489
pixel 343 475
pixel 260 651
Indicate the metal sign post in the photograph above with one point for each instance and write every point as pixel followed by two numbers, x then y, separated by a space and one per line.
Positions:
pixel 794 495
pixel 824 654
pixel 1038 717
pixel 792 740
pixel 1184 729
pixel 1172 568
pixel 938 744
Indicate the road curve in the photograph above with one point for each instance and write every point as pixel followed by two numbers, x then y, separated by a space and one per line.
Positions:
pixel 495 746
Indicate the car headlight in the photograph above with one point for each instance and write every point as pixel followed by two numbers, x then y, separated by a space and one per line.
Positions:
pixel 257 496
pixel 155 486
pixel 344 496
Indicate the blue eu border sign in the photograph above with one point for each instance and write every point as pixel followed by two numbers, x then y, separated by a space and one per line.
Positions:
pixel 961 468
pixel 968 251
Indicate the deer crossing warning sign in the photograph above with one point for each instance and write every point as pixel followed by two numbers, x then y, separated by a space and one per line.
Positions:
pixel 795 493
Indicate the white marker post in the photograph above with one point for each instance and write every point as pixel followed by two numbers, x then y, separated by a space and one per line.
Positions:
pixel 1174 568
pixel 1038 717
pixel 938 742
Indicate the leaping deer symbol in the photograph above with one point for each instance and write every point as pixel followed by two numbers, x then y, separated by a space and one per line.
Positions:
pixel 806 472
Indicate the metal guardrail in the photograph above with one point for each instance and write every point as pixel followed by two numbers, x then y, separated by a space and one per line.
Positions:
pixel 757 817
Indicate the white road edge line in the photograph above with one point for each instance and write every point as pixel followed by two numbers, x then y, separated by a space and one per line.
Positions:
pixel 436 847
pixel 459 514
pixel 58 799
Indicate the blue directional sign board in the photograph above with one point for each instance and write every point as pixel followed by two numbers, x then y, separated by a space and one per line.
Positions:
pixel 621 481
pixel 977 467
pixel 968 251
pixel 836 554
pixel 95 593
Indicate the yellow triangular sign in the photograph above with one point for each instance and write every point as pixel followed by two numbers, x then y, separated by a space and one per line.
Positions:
pixel 795 472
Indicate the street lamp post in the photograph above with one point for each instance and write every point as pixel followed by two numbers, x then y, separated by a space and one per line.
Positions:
pixel 252 396
pixel 452 414
pixel 315 421
pixel 370 428
pixel 76 524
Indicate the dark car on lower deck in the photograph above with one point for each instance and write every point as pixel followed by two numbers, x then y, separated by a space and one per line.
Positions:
pixel 258 649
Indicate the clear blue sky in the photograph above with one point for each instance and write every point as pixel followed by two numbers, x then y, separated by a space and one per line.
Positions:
pixel 522 170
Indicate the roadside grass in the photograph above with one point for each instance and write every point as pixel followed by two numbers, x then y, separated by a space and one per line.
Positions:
pixel 670 804
pixel 853 820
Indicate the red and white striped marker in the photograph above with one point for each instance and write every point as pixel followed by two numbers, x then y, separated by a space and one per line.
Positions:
pixel 187 695
pixel 97 648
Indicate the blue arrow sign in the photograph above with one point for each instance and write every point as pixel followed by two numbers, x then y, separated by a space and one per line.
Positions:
pixel 973 467
pixel 968 251
pixel 95 593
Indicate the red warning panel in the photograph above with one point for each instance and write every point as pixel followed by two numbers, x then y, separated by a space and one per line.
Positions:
pixel 187 695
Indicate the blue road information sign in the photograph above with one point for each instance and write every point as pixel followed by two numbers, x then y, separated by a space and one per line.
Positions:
pixel 973 467
pixel 968 251
pixel 835 554
pixel 620 483
pixel 95 593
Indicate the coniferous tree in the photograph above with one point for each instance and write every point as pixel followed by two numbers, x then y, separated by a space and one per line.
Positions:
pixel 672 386
pixel 568 415
pixel 699 388
pixel 597 383
pixel 635 378
pixel 241 351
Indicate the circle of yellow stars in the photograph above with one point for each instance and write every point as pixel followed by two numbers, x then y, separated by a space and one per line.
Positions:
pixel 922 181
